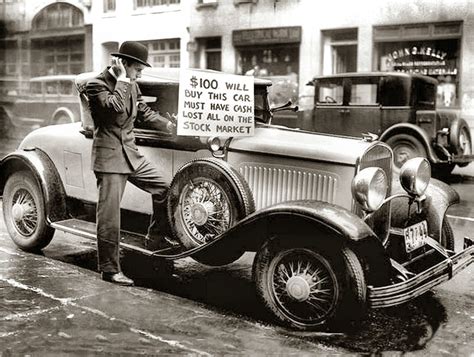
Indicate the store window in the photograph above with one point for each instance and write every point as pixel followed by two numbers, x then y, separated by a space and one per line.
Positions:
pixel 150 3
pixel 164 53
pixel 272 53
pixel 339 51
pixel 428 49
pixel 65 56
pixel 109 5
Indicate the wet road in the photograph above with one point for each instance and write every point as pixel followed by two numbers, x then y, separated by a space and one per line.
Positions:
pixel 55 303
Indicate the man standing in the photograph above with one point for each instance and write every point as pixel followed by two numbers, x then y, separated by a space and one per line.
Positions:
pixel 115 103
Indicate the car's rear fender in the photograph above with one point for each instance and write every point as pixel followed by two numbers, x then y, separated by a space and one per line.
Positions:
pixel 417 132
pixel 41 167
pixel 320 222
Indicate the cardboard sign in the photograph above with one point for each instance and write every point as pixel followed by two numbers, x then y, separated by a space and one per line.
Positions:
pixel 215 104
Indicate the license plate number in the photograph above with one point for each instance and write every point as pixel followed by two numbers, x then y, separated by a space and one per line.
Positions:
pixel 415 236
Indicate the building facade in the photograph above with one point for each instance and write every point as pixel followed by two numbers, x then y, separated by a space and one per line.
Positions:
pixel 288 41
pixel 291 41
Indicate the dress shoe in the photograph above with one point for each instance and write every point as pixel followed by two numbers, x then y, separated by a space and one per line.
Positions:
pixel 159 243
pixel 117 278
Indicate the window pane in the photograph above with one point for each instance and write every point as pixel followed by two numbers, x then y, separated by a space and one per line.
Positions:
pixel 364 94
pixel 330 93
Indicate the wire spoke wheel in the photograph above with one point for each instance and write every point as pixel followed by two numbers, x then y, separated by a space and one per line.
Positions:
pixel 205 210
pixel 303 285
pixel 24 212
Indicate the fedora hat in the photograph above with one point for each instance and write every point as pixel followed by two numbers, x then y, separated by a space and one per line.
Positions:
pixel 134 51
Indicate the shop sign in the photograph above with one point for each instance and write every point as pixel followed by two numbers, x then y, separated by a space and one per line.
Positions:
pixel 267 36
pixel 215 104
pixel 423 59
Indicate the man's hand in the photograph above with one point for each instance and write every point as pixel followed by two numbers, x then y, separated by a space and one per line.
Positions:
pixel 119 68
pixel 171 126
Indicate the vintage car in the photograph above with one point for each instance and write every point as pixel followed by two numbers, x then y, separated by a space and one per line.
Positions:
pixel 399 108
pixel 46 100
pixel 333 230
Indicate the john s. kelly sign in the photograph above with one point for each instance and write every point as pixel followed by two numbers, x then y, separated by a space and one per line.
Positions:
pixel 215 104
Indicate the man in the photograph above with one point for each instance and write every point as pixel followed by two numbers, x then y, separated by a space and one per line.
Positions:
pixel 115 103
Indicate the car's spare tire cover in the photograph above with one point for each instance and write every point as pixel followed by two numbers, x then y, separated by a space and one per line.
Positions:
pixel 206 198
pixel 460 138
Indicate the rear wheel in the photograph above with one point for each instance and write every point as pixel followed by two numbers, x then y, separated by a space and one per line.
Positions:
pixel 405 147
pixel 447 235
pixel 308 288
pixel 24 212
pixel 62 119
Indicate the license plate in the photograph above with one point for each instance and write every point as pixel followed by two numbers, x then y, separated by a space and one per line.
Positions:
pixel 415 236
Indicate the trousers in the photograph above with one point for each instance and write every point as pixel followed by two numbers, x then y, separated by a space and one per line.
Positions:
pixel 111 187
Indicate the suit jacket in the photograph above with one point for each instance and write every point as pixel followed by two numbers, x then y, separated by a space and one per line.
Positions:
pixel 114 106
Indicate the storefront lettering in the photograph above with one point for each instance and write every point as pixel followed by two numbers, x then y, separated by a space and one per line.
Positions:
pixel 415 51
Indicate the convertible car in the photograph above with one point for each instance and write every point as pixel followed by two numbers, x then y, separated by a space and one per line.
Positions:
pixel 334 231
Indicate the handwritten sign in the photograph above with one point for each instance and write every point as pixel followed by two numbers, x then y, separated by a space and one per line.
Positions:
pixel 215 104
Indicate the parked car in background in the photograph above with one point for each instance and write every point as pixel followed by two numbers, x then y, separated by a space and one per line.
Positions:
pixel 399 108
pixel 46 100
pixel 333 230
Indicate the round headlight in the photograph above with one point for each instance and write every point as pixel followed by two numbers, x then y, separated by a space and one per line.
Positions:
pixel 415 176
pixel 369 188
pixel 214 143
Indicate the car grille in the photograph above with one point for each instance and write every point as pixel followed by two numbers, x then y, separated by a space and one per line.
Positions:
pixel 271 184
pixel 378 155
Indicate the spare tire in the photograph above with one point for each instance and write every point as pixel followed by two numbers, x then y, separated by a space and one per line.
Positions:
pixel 206 198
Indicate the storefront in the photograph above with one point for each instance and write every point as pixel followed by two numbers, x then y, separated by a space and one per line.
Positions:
pixel 272 53
pixel 59 41
pixel 432 49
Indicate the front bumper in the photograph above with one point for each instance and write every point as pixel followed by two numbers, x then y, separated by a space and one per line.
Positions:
pixel 399 293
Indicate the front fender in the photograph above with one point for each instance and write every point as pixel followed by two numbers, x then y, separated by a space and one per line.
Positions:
pixel 419 133
pixel 42 168
pixel 439 197
pixel 321 222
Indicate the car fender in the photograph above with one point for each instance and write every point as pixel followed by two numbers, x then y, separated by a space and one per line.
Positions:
pixel 416 131
pixel 46 175
pixel 62 110
pixel 439 197
pixel 322 222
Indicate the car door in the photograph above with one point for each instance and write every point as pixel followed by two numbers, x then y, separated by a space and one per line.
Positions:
pixel 363 111
pixel 330 106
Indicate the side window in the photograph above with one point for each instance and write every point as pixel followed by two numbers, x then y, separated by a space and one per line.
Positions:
pixel 363 94
pixel 51 88
pixel 330 93
pixel 66 88
pixel 35 88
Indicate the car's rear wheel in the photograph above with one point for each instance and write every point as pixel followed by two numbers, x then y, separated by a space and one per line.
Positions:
pixel 405 147
pixel 308 287
pixel 206 198
pixel 447 235
pixel 62 119
pixel 24 212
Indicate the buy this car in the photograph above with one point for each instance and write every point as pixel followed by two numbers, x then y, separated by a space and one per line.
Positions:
pixel 399 108
pixel 334 231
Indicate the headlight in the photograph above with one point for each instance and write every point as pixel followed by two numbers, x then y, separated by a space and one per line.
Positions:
pixel 369 188
pixel 415 176
pixel 214 143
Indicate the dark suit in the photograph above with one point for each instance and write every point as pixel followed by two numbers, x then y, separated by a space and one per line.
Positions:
pixel 114 106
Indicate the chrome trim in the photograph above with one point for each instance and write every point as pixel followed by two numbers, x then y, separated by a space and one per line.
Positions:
pixel 402 292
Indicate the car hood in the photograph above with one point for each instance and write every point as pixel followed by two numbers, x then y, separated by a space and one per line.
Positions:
pixel 281 141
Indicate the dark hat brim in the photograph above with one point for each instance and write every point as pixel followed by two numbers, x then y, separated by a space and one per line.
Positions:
pixel 116 54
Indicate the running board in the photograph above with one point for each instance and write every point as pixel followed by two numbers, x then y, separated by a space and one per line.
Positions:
pixel 128 240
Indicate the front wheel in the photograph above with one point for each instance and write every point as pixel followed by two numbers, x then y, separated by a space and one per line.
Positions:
pixel 24 212
pixel 206 198
pixel 309 288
